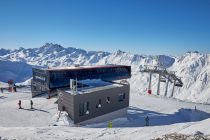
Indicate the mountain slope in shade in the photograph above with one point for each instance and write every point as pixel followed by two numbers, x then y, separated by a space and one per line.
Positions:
pixel 192 67
pixel 18 71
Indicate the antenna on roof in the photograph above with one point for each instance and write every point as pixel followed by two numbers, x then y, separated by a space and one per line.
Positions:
pixel 76 83
pixel 73 85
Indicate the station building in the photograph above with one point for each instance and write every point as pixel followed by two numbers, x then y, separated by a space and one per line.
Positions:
pixel 89 94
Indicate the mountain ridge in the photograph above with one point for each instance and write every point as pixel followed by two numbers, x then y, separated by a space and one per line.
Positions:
pixel 192 67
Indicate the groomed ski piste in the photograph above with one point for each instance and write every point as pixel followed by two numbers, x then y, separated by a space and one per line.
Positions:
pixel 167 115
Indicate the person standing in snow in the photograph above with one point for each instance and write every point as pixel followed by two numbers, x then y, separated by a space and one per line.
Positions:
pixel 110 124
pixel 15 88
pixel 31 102
pixel 147 121
pixel 1 90
pixel 19 103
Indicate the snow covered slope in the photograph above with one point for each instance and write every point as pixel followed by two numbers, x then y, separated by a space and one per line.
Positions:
pixel 192 67
pixel 18 71
pixel 3 85
pixel 166 116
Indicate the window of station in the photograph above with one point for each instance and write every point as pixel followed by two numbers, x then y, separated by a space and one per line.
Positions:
pixel 99 104
pixel 121 97
pixel 84 109
pixel 108 100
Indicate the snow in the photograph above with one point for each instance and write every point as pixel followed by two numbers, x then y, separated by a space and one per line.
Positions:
pixel 3 85
pixel 192 67
pixel 11 116
pixel 166 115
pixel 25 83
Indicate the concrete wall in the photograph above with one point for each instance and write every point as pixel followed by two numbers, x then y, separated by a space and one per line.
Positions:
pixel 72 102
pixel 66 100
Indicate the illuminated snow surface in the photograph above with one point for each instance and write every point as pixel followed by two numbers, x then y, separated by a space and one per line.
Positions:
pixel 166 115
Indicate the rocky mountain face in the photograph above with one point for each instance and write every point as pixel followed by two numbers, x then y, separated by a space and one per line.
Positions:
pixel 192 67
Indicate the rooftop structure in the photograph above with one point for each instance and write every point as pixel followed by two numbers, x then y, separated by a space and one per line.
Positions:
pixel 87 93
pixel 94 101
pixel 48 80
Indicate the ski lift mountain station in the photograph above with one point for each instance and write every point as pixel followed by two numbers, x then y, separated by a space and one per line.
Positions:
pixel 89 94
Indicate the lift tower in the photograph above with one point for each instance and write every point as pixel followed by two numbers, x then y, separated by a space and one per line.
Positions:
pixel 163 76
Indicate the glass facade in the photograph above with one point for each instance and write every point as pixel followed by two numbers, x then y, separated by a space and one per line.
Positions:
pixel 60 78
pixel 40 76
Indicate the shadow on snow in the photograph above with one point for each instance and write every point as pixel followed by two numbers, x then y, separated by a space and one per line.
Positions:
pixel 136 118
pixel 34 109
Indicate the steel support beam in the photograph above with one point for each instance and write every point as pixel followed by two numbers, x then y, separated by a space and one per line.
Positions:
pixel 158 86
pixel 172 93
pixel 166 88
pixel 150 82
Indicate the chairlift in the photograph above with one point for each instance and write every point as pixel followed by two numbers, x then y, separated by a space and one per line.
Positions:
pixel 162 79
pixel 179 84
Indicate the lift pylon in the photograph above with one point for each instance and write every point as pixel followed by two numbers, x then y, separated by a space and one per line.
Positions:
pixel 164 76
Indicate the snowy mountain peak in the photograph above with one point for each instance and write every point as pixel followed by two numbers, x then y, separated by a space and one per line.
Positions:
pixel 4 51
pixel 119 52
pixel 190 52
pixel 21 48
pixel 53 55
pixel 192 67
pixel 52 47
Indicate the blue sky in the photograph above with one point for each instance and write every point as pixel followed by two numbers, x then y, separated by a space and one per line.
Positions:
pixel 138 26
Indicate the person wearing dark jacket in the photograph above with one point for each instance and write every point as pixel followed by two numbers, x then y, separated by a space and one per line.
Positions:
pixel 31 102
pixel 19 104
pixel 147 121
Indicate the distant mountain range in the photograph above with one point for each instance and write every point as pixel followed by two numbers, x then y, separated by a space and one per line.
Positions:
pixel 192 67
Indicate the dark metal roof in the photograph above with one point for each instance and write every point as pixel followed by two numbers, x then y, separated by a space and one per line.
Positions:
pixel 84 67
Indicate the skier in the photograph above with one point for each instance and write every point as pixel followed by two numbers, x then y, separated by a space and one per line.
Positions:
pixel 195 108
pixel 31 102
pixel 19 103
pixel 1 90
pixel 110 124
pixel 147 121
